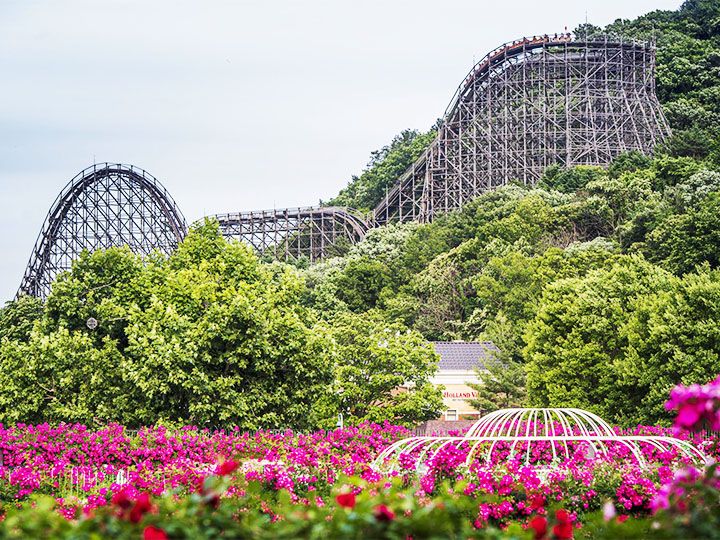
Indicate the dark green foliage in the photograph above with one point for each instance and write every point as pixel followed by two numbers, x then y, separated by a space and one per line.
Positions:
pixel 361 282
pixel 628 162
pixel 18 317
pixel 570 180
pixel 682 241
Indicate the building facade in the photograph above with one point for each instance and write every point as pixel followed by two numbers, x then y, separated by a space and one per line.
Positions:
pixel 459 364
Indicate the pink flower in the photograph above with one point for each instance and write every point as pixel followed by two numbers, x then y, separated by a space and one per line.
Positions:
pixel 688 415
pixel 608 511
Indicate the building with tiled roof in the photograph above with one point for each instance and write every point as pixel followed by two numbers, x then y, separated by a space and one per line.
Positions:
pixel 464 355
pixel 459 364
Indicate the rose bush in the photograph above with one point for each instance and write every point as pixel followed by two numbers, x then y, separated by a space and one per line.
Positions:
pixel 70 481
pixel 113 474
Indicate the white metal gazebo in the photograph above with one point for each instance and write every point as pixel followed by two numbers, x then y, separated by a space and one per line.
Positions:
pixel 555 434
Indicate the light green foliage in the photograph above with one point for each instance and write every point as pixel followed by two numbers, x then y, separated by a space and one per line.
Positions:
pixel 60 376
pixel 688 193
pixel 208 336
pixel 371 359
pixel 625 195
pixel 369 273
pixel 617 340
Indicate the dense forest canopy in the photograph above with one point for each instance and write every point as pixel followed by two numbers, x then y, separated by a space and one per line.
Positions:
pixel 601 287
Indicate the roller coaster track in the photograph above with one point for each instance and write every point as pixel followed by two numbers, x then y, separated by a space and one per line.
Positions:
pixel 104 205
pixel 295 233
pixel 528 104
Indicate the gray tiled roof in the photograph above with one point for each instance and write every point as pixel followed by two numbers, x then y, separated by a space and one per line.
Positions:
pixel 466 355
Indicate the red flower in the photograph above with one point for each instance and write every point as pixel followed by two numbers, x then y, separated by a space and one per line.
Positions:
pixel 564 529
pixel 537 501
pixel 539 525
pixel 383 513
pixel 142 506
pixel 213 500
pixel 346 500
pixel 122 499
pixel 622 518
pixel 200 485
pixel 153 533
pixel 227 467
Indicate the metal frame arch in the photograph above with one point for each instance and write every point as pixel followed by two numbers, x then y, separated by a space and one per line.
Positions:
pixel 523 430
pixel 40 271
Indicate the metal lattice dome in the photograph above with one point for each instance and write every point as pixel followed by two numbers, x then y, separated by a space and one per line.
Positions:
pixel 544 438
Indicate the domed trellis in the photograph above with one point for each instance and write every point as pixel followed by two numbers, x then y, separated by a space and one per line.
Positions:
pixel 544 437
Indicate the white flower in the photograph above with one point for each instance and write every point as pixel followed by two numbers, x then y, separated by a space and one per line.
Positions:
pixel 608 511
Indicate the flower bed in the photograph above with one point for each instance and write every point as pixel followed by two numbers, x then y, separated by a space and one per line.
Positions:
pixel 269 477
pixel 71 482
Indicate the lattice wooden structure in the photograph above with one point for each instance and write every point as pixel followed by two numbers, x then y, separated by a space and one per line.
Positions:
pixel 529 104
pixel 105 205
pixel 312 233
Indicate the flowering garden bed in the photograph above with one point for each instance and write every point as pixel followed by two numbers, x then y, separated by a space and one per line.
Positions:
pixel 190 483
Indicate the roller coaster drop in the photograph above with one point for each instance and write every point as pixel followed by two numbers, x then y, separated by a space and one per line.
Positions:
pixel 526 105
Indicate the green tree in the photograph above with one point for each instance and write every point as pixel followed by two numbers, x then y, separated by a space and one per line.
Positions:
pixel 386 165
pixel 682 241
pixel 361 282
pixel 628 162
pixel 208 336
pixel 576 340
pixel 501 381
pixel 616 340
pixel 382 372
pixel 569 180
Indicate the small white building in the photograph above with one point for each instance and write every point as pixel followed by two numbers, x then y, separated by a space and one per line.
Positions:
pixel 459 362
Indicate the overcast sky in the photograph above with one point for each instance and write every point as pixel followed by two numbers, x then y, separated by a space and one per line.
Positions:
pixel 233 105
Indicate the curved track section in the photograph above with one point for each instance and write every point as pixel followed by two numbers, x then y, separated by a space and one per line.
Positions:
pixel 311 233
pixel 529 104
pixel 105 205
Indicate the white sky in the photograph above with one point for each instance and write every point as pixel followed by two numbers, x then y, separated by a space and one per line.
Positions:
pixel 233 105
